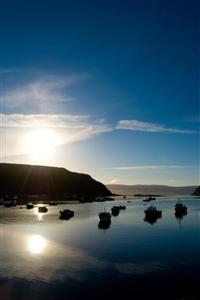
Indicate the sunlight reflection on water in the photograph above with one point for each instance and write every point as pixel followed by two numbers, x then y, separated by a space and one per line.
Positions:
pixel 65 254
pixel 36 244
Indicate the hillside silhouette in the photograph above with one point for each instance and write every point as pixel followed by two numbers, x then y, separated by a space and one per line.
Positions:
pixel 19 179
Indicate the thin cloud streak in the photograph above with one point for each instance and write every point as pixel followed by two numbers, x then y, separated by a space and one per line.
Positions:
pixel 136 125
pixel 151 167
pixel 69 128
pixel 41 93
pixel 45 120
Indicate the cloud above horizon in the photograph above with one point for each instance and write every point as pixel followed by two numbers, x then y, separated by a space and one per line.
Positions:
pixel 69 128
pixel 41 94
pixel 38 100
pixel 136 125
pixel 150 167
pixel 44 120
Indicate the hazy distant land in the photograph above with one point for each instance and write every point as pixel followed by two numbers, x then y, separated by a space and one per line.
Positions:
pixel 164 190
pixel 59 183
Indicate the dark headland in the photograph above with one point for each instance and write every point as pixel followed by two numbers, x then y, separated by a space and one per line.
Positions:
pixel 27 181
pixel 197 191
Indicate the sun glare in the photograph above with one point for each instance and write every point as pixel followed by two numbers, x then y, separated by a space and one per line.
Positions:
pixel 40 143
pixel 36 244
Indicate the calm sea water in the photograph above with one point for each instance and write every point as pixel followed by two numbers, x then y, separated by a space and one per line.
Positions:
pixel 43 257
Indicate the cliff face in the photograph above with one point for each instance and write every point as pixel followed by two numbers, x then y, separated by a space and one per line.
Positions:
pixel 197 191
pixel 18 179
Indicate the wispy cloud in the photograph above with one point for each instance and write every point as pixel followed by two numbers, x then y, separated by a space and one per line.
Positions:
pixel 70 128
pixel 40 94
pixel 45 120
pixel 136 125
pixel 150 167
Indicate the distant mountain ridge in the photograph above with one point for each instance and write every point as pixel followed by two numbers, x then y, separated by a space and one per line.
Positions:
pixel 19 179
pixel 121 189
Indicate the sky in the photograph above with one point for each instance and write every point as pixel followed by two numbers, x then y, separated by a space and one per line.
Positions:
pixel 104 87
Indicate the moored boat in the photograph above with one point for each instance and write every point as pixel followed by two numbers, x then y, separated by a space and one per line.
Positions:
pixel 42 209
pixel 104 216
pixel 52 203
pixel 29 205
pixel 104 224
pixel 153 211
pixel 66 214
pixel 152 214
pixel 122 207
pixel 115 210
pixel 150 198
pixel 180 209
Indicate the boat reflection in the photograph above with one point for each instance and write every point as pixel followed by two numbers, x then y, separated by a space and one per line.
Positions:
pixel 180 211
pixel 36 244
pixel 38 212
pixel 179 216
pixel 151 219
pixel 104 224
pixel 152 214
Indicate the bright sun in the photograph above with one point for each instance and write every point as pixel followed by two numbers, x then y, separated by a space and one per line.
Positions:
pixel 40 143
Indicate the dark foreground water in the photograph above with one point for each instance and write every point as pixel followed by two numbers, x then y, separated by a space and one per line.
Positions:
pixel 42 257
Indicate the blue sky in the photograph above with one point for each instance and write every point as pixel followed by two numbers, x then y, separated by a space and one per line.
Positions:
pixel 115 82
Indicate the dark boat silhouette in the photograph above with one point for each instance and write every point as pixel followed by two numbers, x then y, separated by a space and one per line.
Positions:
pixel 104 224
pixel 29 205
pixel 153 211
pixel 180 210
pixel 150 219
pixel 66 214
pixel 42 209
pixel 52 203
pixel 122 207
pixel 104 216
pixel 150 198
pixel 152 214
pixel 115 211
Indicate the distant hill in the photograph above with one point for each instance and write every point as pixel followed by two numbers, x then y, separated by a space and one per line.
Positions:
pixel 121 189
pixel 196 192
pixel 19 179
